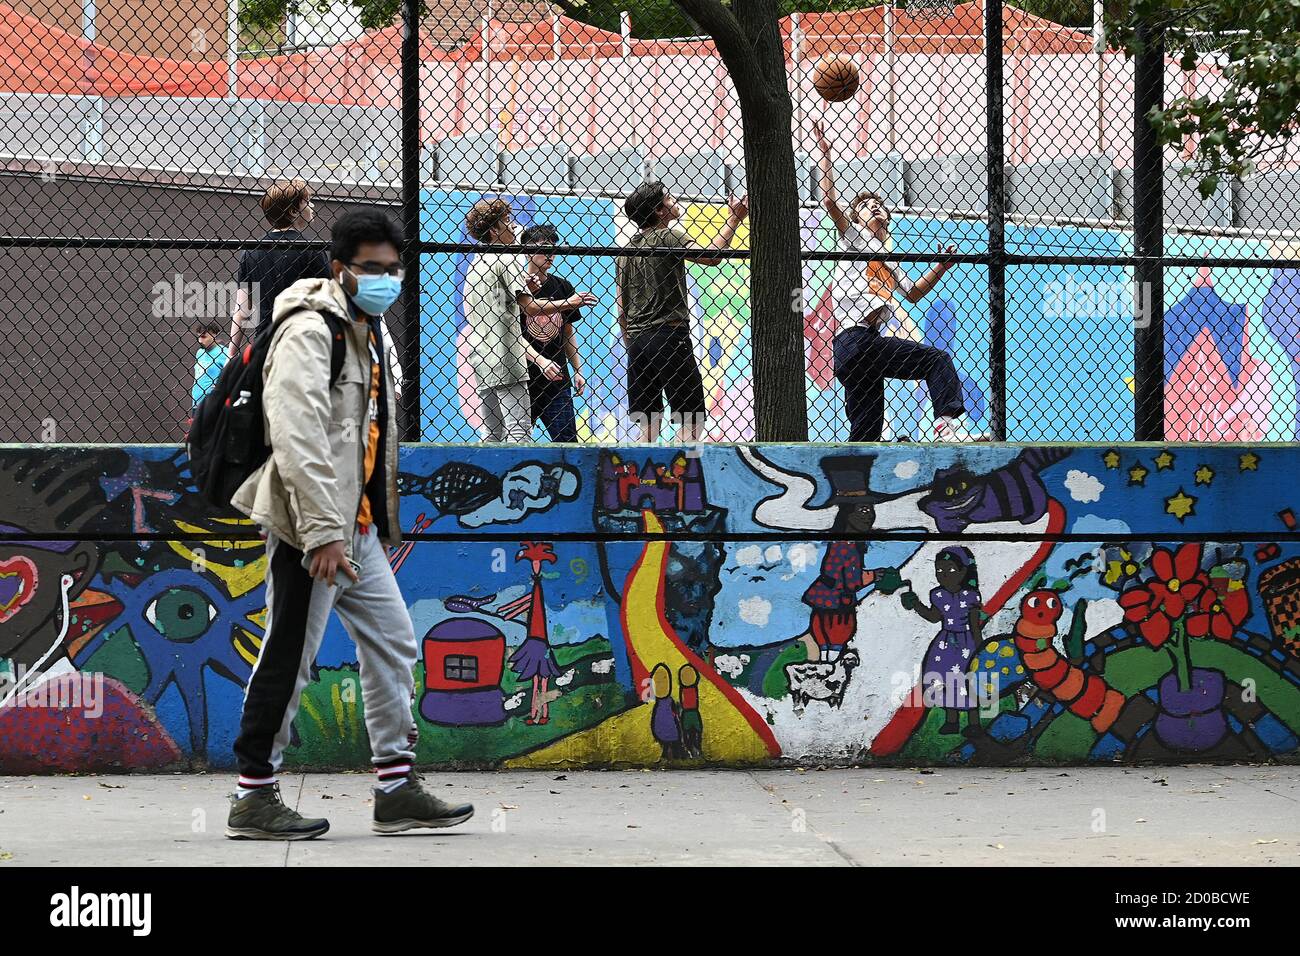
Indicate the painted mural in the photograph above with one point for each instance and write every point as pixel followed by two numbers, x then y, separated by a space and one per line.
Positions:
pixel 1232 363
pixel 661 606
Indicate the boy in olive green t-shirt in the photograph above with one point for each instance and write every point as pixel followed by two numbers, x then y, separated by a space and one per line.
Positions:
pixel 654 313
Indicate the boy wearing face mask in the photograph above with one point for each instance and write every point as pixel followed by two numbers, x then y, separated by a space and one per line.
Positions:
pixel 864 304
pixel 327 499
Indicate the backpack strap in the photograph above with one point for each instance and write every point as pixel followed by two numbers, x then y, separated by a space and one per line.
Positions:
pixel 338 344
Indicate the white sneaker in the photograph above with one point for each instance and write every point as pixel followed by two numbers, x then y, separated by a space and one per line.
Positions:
pixel 949 430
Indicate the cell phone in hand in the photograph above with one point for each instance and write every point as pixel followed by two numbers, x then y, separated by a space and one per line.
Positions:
pixel 341 580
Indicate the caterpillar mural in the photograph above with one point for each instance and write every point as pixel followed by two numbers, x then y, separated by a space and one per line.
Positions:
pixel 1086 695
pixel 732 605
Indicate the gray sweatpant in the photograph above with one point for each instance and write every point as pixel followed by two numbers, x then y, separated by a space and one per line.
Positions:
pixel 507 413
pixel 298 608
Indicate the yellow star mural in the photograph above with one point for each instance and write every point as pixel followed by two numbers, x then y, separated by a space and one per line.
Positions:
pixel 1180 505
pixel 1110 459
pixel 1248 462
pixel 1164 461
pixel 1137 475
pixel 1204 475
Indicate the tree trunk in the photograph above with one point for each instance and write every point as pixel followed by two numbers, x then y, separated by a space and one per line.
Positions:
pixel 748 37
pixel 776 273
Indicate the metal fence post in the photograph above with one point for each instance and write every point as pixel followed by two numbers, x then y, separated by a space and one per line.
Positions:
pixel 411 397
pixel 996 218
pixel 1148 241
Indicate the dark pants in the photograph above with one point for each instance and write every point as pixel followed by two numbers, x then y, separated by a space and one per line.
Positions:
pixel 661 362
pixel 553 407
pixel 864 359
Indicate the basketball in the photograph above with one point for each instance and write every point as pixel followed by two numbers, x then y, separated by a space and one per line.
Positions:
pixel 836 79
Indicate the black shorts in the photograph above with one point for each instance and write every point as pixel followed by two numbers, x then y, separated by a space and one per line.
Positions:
pixel 661 363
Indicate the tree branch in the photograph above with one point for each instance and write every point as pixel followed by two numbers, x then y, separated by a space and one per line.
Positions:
pixel 721 24
pixel 574 11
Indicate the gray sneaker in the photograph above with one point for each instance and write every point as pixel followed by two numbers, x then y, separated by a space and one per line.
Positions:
pixel 262 815
pixel 411 806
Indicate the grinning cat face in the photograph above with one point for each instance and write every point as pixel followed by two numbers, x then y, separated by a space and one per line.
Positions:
pixel 954 492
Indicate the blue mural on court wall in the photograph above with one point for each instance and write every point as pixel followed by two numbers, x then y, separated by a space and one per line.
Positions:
pixel 1128 603
pixel 1231 359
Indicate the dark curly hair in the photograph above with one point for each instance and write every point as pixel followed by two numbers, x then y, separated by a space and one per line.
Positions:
pixel 357 227
pixel 642 206
pixel 484 216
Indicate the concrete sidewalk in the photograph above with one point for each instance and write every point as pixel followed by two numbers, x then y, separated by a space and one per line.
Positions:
pixel 1090 816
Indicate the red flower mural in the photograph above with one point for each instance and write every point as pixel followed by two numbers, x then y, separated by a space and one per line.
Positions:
pixel 1157 604
pixel 1218 614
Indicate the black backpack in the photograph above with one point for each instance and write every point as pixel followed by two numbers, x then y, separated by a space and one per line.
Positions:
pixel 226 441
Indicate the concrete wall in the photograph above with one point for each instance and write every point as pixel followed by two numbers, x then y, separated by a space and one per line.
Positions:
pixel 83 352
pixel 1074 549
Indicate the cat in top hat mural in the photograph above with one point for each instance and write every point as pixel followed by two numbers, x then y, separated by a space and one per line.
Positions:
pixel 833 596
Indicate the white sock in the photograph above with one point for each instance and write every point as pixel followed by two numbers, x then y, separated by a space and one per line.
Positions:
pixel 249 786
pixel 391 785
pixel 392 775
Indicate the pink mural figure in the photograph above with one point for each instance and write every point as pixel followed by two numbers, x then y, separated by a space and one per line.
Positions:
pixel 731 406
pixel 535 659
pixel 471 406
pixel 1204 404
pixel 1216 389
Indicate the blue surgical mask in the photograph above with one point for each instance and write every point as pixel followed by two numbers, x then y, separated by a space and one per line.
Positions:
pixel 375 294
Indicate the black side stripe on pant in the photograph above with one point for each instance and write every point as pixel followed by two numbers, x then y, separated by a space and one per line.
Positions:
pixel 272 684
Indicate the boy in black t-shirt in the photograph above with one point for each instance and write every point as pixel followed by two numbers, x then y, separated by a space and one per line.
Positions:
pixel 553 336
pixel 265 273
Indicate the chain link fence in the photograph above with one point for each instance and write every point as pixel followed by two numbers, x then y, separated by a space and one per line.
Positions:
pixel 969 261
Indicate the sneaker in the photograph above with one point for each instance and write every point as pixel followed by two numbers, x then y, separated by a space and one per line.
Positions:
pixel 949 430
pixel 262 815
pixel 411 806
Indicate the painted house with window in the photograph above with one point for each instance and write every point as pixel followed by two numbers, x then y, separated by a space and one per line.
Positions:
pixel 463 661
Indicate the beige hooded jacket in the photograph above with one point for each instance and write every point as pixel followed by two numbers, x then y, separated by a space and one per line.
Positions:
pixel 309 489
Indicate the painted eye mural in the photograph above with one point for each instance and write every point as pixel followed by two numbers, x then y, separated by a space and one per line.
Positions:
pixel 187 631
pixel 181 615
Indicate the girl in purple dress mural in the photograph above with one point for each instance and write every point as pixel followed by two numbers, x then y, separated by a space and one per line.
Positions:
pixel 955 605
pixel 534 660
